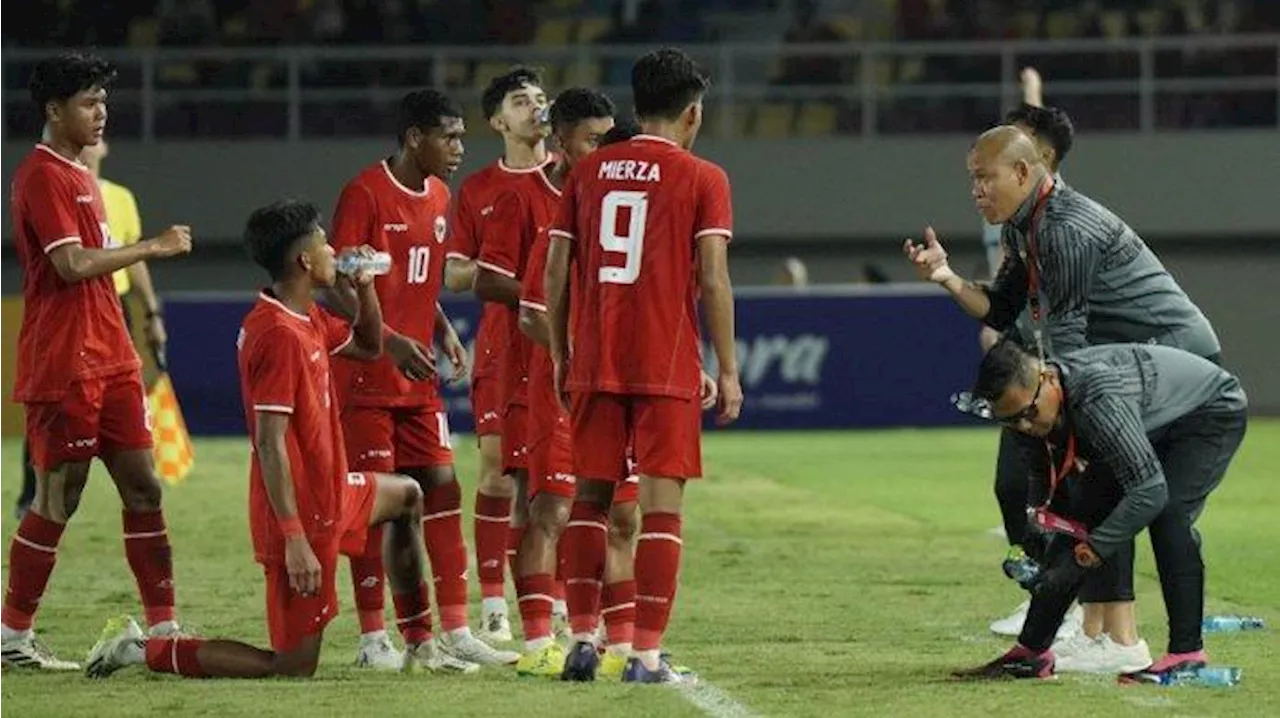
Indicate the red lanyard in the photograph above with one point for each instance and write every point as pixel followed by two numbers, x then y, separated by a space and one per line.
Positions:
pixel 1033 254
pixel 1041 515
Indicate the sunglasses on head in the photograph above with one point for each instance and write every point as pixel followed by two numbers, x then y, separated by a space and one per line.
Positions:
pixel 974 405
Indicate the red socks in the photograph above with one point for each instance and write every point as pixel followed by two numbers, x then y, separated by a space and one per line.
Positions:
pixel 413 614
pixel 442 533
pixel 657 568
pixel 368 577
pixel 492 529
pixel 32 554
pixel 180 656
pixel 515 535
pixel 146 545
pixel 583 546
pixel 534 594
pixel 619 612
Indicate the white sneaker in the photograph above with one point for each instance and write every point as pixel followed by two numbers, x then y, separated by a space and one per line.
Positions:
pixel 426 656
pixel 1107 657
pixel 122 644
pixel 25 651
pixel 1072 646
pixel 469 649
pixel 495 627
pixel 377 652
pixel 1011 625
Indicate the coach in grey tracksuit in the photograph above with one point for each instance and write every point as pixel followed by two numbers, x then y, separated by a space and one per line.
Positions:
pixel 1098 284
pixel 1153 430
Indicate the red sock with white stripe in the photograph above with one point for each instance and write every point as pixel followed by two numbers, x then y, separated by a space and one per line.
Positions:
pixel 619 614
pixel 180 656
pixel 442 533
pixel 368 576
pixel 146 545
pixel 32 555
pixel 534 594
pixel 515 535
pixel 583 547
pixel 492 529
pixel 657 571
pixel 413 614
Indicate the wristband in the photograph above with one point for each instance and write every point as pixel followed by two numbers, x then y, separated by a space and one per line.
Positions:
pixel 1086 557
pixel 291 527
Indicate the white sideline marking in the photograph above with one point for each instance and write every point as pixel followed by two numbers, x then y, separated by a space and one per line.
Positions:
pixel 713 701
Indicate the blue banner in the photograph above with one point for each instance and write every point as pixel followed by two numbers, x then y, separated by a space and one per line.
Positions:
pixel 830 358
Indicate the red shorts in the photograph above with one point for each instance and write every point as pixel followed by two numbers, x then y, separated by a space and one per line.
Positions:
pixel 666 433
pixel 486 405
pixel 387 438
pixel 96 417
pixel 515 430
pixel 551 461
pixel 291 617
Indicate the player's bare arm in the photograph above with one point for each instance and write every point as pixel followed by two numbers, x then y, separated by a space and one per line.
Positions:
pixel 556 283
pixel 495 287
pixel 459 274
pixel 74 263
pixel 140 277
pixel 273 455
pixel 535 325
pixel 717 307
pixel 451 344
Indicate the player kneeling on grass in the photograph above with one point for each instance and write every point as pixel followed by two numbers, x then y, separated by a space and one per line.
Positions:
pixel 304 507
pixel 1136 437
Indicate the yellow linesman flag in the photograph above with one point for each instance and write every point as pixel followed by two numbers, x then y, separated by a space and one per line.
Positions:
pixel 173 452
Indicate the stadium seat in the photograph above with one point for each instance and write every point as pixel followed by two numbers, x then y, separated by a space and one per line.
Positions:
pixel 1151 21
pixel 553 32
pixel 1026 24
pixel 849 26
pixel 817 119
pixel 911 69
pixel 774 119
pixel 591 29
pixel 1115 24
pixel 1063 24
pixel 144 32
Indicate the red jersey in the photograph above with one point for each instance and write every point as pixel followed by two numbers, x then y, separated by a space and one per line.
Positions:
pixel 284 368
pixel 527 208
pixel 473 205
pixel 410 225
pixel 544 406
pixel 635 211
pixel 71 331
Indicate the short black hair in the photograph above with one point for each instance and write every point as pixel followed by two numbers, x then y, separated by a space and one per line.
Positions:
pixel 426 110
pixel 59 78
pixel 577 104
pixel 502 85
pixel 272 231
pixel 665 82
pixel 1050 123
pixel 622 131
pixel 1005 365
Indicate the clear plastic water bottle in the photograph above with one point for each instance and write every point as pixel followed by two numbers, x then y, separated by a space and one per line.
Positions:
pixel 1020 567
pixel 1231 624
pixel 1209 676
pixel 351 263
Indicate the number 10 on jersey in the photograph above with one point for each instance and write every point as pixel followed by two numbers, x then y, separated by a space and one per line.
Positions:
pixel 419 264
pixel 629 242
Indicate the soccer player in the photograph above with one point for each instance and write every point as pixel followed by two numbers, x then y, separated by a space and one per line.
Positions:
pixel 579 120
pixel 392 415
pixel 304 504
pixel 512 103
pixel 77 372
pixel 1085 277
pixel 643 231
pixel 1133 437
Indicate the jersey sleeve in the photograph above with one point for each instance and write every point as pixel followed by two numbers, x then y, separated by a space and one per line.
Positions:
pixel 715 203
pixel 500 234
pixel 336 331
pixel 50 201
pixel 462 242
pixel 275 372
pixel 565 226
pixel 354 219
pixel 532 288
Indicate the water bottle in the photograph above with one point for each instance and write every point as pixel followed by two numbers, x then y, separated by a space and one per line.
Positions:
pixel 1208 676
pixel 1231 624
pixel 351 263
pixel 1020 567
